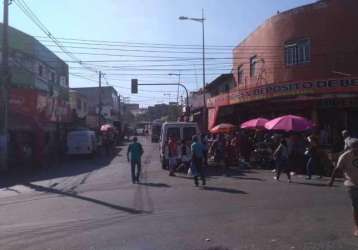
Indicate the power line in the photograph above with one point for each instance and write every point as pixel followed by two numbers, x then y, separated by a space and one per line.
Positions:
pixel 30 14
pixel 139 43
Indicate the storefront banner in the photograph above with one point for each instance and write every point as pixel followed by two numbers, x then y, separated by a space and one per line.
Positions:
pixel 293 89
pixel 318 87
pixel 39 106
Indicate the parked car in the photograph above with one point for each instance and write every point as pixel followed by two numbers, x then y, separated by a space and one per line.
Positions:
pixel 81 142
pixel 180 131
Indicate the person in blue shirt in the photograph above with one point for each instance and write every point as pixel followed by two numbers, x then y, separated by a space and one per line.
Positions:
pixel 135 151
pixel 197 150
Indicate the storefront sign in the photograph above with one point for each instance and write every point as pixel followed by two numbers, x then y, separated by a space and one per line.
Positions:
pixel 294 88
pixel 331 86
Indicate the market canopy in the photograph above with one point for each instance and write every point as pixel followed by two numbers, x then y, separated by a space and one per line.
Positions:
pixel 258 123
pixel 289 123
pixel 223 128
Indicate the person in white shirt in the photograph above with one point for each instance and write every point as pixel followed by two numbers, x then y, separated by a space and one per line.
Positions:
pixel 347 137
pixel 348 163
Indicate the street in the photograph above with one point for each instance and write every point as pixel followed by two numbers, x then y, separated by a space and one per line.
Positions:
pixel 92 204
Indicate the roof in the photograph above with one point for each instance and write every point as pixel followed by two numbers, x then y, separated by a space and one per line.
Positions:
pixel 89 89
pixel 220 78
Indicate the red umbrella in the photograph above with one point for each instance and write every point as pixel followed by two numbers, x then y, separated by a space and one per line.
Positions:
pixel 258 123
pixel 106 127
pixel 289 123
pixel 223 128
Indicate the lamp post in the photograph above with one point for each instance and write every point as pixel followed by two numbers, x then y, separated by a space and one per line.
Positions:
pixel 202 21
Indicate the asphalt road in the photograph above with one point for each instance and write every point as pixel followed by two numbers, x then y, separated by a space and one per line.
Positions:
pixel 91 204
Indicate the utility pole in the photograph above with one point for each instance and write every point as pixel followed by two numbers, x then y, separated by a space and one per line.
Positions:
pixel 100 99
pixel 205 109
pixel 5 85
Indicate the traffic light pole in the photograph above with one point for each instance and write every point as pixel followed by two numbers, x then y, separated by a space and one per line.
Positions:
pixel 5 84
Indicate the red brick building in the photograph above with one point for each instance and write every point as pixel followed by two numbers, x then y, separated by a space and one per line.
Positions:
pixel 303 61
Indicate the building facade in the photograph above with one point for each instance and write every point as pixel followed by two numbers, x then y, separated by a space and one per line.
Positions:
pixel 220 86
pixel 38 98
pixel 79 110
pixel 301 61
pixel 110 105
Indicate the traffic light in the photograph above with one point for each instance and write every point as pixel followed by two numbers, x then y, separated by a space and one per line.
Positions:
pixel 134 86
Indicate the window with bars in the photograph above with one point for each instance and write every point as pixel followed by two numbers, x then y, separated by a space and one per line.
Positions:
pixel 240 75
pixel 253 64
pixel 298 52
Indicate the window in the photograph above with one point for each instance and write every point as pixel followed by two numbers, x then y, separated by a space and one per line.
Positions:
pixel 63 81
pixel 240 74
pixel 188 133
pixel 175 132
pixel 253 62
pixel 298 52
pixel 41 70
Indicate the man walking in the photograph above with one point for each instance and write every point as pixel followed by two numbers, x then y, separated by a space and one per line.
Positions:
pixel 197 150
pixel 348 163
pixel 135 150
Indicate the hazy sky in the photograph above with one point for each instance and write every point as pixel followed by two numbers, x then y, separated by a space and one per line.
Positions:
pixel 149 22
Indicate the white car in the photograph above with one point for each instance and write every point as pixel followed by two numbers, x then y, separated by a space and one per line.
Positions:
pixel 81 142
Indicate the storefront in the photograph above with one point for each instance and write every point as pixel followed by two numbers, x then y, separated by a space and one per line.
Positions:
pixel 36 124
pixel 331 104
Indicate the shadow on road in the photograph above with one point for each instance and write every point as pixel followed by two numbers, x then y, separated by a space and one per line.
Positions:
pixel 39 188
pixel 312 184
pixel 72 166
pixel 248 178
pixel 159 185
pixel 225 190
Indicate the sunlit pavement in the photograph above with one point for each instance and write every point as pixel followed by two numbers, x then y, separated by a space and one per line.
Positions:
pixel 91 204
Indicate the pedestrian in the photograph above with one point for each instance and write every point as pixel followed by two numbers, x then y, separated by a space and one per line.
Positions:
pixel 348 163
pixel 204 142
pixel 346 137
pixel 135 150
pixel 197 150
pixel 313 163
pixel 218 148
pixel 281 160
pixel 172 155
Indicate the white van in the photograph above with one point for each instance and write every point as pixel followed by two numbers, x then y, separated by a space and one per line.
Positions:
pixel 179 130
pixel 81 142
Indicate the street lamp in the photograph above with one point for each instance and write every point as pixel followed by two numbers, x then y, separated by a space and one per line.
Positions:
pixel 178 75
pixel 202 21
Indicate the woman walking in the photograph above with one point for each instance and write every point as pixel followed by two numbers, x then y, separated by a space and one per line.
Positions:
pixel 281 160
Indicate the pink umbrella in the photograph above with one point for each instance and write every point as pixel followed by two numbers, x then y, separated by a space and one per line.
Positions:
pixel 258 123
pixel 106 127
pixel 289 123
pixel 223 128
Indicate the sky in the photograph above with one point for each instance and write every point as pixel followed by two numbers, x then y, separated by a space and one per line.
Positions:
pixel 144 39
